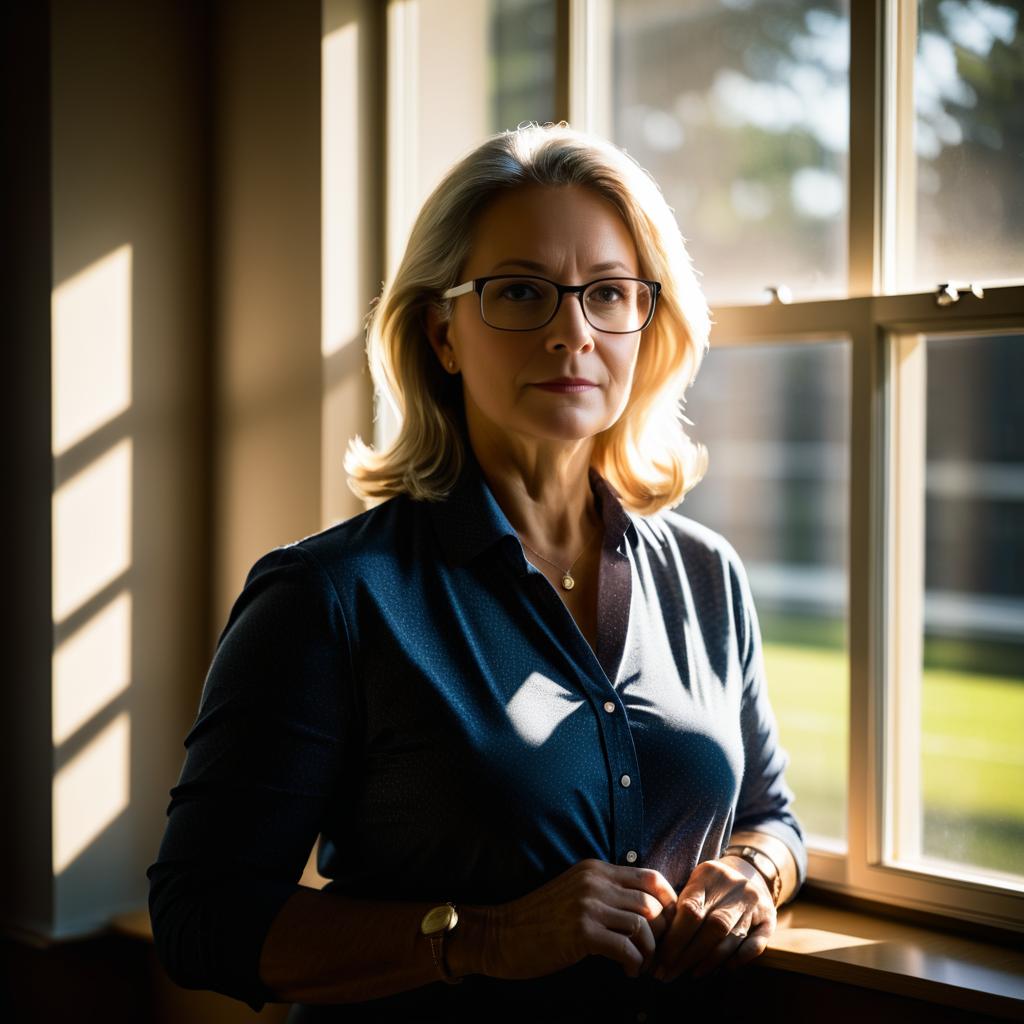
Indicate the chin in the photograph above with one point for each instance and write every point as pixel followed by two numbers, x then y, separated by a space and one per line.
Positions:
pixel 567 428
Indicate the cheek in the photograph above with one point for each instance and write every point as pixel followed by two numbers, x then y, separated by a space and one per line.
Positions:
pixel 494 358
pixel 622 365
pixel 622 372
pixel 491 374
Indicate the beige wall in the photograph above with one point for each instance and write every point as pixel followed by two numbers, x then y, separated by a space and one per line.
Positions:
pixel 353 231
pixel 170 278
pixel 128 346
pixel 26 898
pixel 266 279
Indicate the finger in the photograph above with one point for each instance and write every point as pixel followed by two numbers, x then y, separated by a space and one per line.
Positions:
pixel 646 880
pixel 660 924
pixel 693 935
pixel 753 946
pixel 636 900
pixel 715 928
pixel 635 927
pixel 721 954
pixel 600 941
pixel 686 920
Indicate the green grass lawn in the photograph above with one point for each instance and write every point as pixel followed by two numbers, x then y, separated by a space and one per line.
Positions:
pixel 972 752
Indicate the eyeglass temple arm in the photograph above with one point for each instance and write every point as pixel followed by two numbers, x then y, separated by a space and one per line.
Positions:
pixel 458 290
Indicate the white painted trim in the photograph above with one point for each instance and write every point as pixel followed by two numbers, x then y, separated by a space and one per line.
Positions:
pixel 591 38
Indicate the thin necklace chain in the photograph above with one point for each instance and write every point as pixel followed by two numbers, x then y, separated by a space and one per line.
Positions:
pixel 568 582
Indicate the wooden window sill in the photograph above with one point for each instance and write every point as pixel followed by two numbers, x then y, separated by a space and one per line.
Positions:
pixel 855 947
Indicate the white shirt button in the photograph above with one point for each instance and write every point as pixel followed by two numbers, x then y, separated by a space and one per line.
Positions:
pixel 625 780
pixel 609 706
pixel 631 856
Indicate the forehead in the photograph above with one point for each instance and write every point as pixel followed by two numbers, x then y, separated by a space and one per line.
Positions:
pixel 568 227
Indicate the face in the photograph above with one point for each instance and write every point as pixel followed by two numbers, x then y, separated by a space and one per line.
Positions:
pixel 571 235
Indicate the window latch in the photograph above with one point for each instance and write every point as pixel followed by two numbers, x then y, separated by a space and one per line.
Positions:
pixel 950 294
pixel 779 294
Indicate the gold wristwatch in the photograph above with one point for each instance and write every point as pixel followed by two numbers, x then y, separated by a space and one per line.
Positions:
pixel 765 866
pixel 436 924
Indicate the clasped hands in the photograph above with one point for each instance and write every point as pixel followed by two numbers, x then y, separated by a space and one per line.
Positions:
pixel 723 917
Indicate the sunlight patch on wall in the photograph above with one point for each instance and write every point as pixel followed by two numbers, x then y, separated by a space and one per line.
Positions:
pixel 92 667
pixel 90 791
pixel 92 364
pixel 343 306
pixel 92 540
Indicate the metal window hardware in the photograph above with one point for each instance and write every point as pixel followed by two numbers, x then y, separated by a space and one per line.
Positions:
pixel 779 294
pixel 950 294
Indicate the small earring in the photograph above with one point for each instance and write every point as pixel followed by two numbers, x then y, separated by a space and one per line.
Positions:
pixel 451 364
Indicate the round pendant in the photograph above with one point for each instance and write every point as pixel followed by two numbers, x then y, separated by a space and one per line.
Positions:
pixel 568 582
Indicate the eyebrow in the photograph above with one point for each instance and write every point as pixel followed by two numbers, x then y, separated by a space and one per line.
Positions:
pixel 596 268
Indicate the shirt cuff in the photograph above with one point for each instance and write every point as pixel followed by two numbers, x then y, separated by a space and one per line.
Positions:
pixel 209 932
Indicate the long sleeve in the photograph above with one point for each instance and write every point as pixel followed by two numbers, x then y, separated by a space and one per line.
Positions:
pixel 765 800
pixel 263 757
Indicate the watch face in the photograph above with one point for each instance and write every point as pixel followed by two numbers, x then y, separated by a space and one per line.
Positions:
pixel 440 919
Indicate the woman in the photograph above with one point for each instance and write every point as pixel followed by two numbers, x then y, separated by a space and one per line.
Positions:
pixel 522 704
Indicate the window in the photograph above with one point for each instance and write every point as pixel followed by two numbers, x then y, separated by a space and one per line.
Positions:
pixel 863 379
pixel 866 155
pixel 776 418
pixel 740 111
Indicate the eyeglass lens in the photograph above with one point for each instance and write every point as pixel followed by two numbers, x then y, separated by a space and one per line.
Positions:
pixel 617 305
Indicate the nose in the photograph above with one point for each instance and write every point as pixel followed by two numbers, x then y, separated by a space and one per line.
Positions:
pixel 569 330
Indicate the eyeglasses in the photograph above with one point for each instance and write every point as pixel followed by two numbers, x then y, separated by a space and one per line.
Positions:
pixel 614 305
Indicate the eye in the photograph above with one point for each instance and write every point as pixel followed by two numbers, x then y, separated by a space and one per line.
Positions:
pixel 519 291
pixel 607 294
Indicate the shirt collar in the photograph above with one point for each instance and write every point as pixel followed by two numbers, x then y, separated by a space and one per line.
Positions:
pixel 470 520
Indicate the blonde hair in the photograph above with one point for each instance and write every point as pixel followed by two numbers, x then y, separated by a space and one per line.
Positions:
pixel 646 455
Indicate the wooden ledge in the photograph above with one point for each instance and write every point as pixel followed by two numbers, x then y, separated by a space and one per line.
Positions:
pixel 858 948
pixel 135 923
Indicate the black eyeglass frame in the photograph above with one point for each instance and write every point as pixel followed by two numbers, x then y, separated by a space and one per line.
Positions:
pixel 477 285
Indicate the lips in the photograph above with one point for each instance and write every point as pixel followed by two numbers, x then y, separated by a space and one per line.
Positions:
pixel 566 385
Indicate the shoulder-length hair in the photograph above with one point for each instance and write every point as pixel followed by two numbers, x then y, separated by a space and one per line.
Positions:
pixel 646 455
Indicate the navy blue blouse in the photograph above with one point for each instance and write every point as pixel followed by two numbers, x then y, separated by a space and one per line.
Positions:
pixel 410 687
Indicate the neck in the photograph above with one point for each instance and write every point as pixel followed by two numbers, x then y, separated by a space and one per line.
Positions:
pixel 543 488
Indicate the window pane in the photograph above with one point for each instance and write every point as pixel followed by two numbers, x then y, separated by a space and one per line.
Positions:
pixel 740 111
pixel 969 141
pixel 775 419
pixel 472 69
pixel 972 701
pixel 522 62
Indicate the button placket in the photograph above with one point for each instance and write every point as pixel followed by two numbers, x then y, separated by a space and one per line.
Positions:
pixel 627 808
pixel 627 797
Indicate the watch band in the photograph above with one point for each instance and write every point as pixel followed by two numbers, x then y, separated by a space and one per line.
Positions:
pixel 764 865
pixel 437 951
pixel 436 924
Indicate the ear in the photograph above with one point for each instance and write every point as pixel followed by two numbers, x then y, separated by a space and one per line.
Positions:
pixel 436 328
